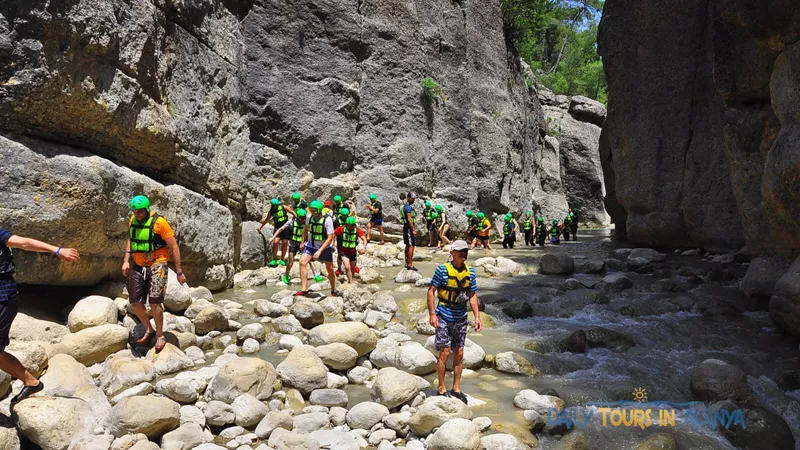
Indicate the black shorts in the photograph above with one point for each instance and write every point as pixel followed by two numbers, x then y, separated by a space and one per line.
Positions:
pixel 473 235
pixel 430 224
pixel 294 247
pixel 286 234
pixel 9 306
pixel 482 238
pixel 408 236
pixel 148 283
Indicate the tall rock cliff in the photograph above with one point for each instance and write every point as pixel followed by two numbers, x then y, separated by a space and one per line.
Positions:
pixel 701 141
pixel 214 107
pixel 701 146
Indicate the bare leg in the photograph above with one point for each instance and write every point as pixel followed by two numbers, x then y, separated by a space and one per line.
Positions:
pixel 348 268
pixel 141 314
pixel 331 275
pixel 284 248
pixel 380 228
pixel 158 317
pixel 290 262
pixel 441 368
pixel 458 367
pixel 410 255
pixel 11 365
pixel 369 230
pixel 275 242
pixel 304 271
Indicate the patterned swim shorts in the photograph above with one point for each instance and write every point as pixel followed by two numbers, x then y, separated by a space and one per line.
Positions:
pixel 147 282
pixel 450 334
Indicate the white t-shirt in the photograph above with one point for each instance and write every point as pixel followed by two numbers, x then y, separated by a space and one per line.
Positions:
pixel 327 223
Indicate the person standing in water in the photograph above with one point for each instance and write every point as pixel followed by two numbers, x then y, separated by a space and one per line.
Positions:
pixel 376 210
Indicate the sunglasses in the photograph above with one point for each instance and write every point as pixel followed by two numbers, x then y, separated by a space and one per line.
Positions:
pixel 462 252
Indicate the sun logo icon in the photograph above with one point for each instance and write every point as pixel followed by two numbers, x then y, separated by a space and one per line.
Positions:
pixel 640 395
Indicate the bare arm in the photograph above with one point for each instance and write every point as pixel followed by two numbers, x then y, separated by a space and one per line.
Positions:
pixel 32 245
pixel 434 321
pixel 473 302
pixel 410 222
pixel 290 210
pixel 176 257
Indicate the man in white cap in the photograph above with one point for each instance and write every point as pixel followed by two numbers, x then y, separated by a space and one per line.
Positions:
pixel 454 285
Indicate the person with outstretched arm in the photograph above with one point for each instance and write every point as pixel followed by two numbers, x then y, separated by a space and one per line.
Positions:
pixel 9 304
pixel 453 291
pixel 408 217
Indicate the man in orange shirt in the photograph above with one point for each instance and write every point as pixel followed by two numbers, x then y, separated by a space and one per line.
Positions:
pixel 149 237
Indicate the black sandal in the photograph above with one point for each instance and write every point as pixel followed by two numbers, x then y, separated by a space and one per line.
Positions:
pixel 26 392
pixel 459 395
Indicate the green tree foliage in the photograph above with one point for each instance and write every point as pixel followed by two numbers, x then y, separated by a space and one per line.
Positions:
pixel 558 38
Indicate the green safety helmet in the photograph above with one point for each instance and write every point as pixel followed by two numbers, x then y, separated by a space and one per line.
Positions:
pixel 139 202
pixel 469 213
pixel 344 212
pixel 541 219
pixel 301 212
pixel 439 208
pixel 275 201
pixel 509 215
pixel 555 221
pixel 316 204
pixel 529 213
pixel 350 221
pixel 507 219
pixel 296 196
pixel 337 198
pixel 428 204
pixel 373 196
pixel 481 215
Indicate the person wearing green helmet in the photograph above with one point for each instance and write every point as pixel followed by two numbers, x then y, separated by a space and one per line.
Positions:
pixel 298 202
pixel 348 235
pixel 509 231
pixel 318 236
pixel 554 233
pixel 295 225
pixel 483 229
pixel 429 214
pixel 527 228
pixel 472 226
pixel 10 302
pixel 337 205
pixel 573 224
pixel 376 219
pixel 339 219
pixel 541 231
pixel 408 217
pixel 150 241
pixel 280 214
pixel 442 226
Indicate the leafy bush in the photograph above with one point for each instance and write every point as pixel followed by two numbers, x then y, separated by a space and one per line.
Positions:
pixel 433 91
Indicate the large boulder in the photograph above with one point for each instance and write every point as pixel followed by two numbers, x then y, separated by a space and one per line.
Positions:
pixel 303 370
pixel 66 377
pixel 169 360
pixel 784 306
pixel 211 318
pixel 150 415
pixel 53 423
pixel 121 372
pixel 248 410
pixel 185 387
pixel 510 362
pixel 556 264
pixel 32 355
pixel 409 356
pixel 242 376
pixel 407 276
pixel 92 311
pixel 255 249
pixel 762 275
pixel 394 387
pixel 366 415
pixel 308 313
pixel 435 411
pixel 355 334
pixel 647 254
pixel 26 328
pixel 714 380
pixel 456 434
pixel 337 356
pixel 93 345
pixel 178 297
pixel 528 399
pixel 186 437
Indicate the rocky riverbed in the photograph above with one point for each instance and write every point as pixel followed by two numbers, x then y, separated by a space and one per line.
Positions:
pixel 256 368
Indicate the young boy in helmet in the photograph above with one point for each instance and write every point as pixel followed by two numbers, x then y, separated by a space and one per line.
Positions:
pixel 348 236
pixel 509 231
pixel 296 225
pixel 451 294
pixel 149 237
pixel 9 304
pixel 472 225
pixel 430 222
pixel 483 228
pixel 298 202
pixel 376 210
pixel 527 228
pixel 555 232
pixel 318 236
pixel 442 226
pixel 279 213
pixel 541 231
pixel 338 221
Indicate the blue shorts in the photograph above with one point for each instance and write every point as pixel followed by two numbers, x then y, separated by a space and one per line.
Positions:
pixel 376 221
pixel 325 256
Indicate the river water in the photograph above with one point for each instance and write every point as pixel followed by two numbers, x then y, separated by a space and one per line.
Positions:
pixel 671 337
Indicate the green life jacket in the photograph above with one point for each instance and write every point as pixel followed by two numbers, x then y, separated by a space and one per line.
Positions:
pixel 403 214
pixel 571 217
pixel 473 221
pixel 297 230
pixel 429 213
pixel 278 215
pixel 567 219
pixel 379 206
pixel 527 225
pixel 441 218
pixel 508 228
pixel 554 230
pixel 349 238
pixel 143 238
pixel 317 230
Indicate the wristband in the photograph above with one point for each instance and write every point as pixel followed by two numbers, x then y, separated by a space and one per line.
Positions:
pixel 179 274
pixel 58 251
